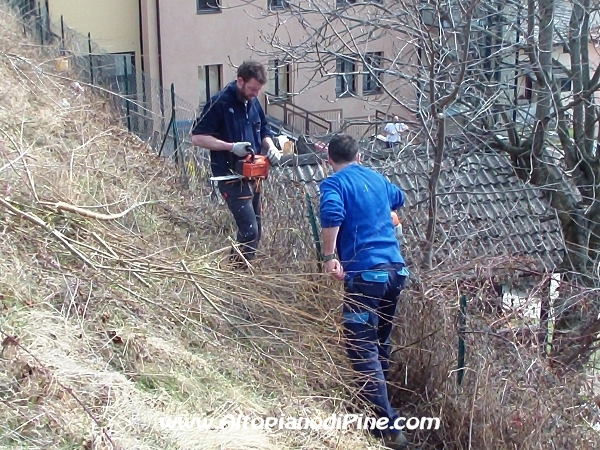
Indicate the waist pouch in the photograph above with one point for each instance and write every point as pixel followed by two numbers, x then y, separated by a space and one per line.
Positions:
pixel 374 283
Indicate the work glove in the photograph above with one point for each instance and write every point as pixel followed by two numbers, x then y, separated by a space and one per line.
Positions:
pixel 398 231
pixel 239 149
pixel 273 155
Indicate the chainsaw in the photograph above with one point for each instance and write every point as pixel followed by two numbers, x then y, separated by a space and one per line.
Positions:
pixel 253 166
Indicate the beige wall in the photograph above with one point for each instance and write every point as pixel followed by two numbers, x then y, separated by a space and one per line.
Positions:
pixel 189 40
pixel 113 24
pixel 150 38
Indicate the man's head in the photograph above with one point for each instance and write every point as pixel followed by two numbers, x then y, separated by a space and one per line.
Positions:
pixel 396 119
pixel 342 149
pixel 251 77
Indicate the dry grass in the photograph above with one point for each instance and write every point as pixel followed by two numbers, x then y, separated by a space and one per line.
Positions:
pixel 109 325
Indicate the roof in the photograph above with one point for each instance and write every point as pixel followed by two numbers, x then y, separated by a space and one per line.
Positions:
pixel 563 10
pixel 307 168
pixel 562 19
pixel 483 209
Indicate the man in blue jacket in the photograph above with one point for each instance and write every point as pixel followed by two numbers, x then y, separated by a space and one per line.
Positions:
pixel 232 120
pixel 361 249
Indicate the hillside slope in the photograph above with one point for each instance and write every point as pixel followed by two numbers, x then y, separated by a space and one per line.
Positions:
pixel 114 319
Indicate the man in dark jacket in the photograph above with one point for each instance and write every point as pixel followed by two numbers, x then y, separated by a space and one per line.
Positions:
pixel 232 120
pixel 361 249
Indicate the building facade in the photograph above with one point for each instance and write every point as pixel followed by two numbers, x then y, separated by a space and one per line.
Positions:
pixel 201 42
pixel 198 44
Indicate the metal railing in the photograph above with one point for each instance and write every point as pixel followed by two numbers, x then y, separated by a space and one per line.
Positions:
pixel 295 119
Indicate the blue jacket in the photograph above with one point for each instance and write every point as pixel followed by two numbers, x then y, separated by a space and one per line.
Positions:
pixel 359 201
pixel 227 118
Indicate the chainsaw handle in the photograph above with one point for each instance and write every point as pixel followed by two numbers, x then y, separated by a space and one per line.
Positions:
pixel 251 153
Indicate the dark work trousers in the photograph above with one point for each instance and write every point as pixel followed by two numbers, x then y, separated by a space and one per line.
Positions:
pixel 243 200
pixel 369 308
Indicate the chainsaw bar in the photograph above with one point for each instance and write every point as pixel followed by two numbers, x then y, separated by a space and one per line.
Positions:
pixel 226 178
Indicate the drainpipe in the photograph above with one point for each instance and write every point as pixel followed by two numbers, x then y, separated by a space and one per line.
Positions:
pixel 160 66
pixel 140 21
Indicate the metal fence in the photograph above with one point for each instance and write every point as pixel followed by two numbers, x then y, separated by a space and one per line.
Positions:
pixel 156 115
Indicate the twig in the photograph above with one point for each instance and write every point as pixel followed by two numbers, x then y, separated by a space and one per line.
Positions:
pixel 62 206
pixel 270 333
pixel 22 155
pixel 37 221
pixel 160 306
pixel 199 288
pixel 112 252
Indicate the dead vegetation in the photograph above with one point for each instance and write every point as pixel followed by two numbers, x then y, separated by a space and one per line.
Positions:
pixel 512 396
pixel 117 316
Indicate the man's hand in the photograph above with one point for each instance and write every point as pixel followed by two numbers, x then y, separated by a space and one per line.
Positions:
pixel 239 148
pixel 335 269
pixel 274 155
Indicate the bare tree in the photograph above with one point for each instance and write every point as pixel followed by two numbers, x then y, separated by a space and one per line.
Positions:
pixel 567 168
pixel 480 58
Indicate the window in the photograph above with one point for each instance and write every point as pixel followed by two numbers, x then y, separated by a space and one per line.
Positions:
pixel 210 81
pixel 277 4
pixel 117 70
pixel 372 74
pixel 432 18
pixel 564 84
pixel 563 80
pixel 278 83
pixel 346 78
pixel 207 6
pixel 28 7
pixel 125 72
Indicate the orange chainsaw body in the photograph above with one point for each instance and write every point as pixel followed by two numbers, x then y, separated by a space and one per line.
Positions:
pixel 253 166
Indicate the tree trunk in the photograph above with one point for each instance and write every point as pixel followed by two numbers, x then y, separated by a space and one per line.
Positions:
pixel 433 184
pixel 544 75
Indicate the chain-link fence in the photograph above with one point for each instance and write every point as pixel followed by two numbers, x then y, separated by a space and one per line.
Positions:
pixel 156 115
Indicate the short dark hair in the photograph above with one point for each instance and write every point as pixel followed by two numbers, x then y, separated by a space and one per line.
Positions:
pixel 342 148
pixel 252 69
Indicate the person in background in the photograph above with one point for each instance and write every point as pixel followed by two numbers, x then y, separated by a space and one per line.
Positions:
pixel 393 132
pixel 360 248
pixel 232 120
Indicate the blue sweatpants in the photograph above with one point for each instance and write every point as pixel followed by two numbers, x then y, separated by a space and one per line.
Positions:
pixel 368 311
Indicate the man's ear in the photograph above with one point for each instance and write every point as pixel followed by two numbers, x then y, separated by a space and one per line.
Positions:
pixel 358 157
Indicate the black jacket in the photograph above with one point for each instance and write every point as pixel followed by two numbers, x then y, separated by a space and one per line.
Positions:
pixel 226 117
